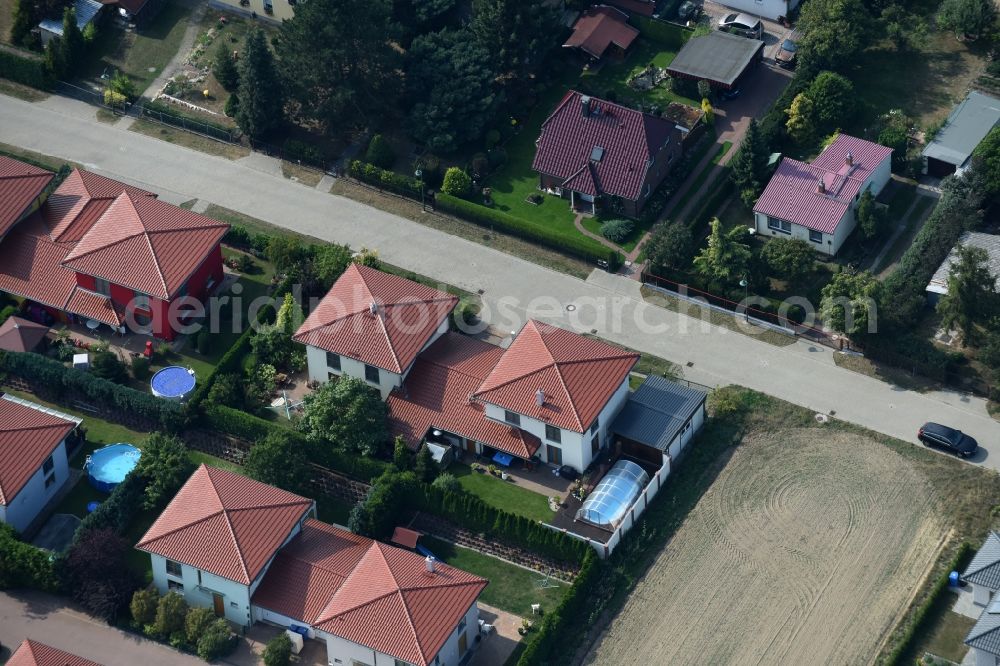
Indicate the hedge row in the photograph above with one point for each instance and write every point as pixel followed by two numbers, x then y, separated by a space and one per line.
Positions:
pixel 549 647
pixel 251 428
pixel 23 565
pixel 118 510
pixel 385 179
pixel 171 115
pixel 915 629
pixel 911 352
pixel 663 33
pixel 574 245
pixel 31 71
pixel 242 238
pixel 53 378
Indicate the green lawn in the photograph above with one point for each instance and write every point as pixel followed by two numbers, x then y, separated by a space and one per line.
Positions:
pixel 143 54
pixel 511 588
pixel 698 183
pixel 612 77
pixel 505 495
pixel 946 637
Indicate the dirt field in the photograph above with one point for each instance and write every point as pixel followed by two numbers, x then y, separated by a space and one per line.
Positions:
pixel 804 550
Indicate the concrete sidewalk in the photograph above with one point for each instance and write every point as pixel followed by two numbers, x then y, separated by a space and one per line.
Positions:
pixel 513 289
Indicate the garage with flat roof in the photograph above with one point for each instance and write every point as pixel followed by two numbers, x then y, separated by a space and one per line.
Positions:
pixel 718 57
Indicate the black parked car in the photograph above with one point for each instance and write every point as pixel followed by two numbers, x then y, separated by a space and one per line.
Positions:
pixel 935 434
pixel 567 473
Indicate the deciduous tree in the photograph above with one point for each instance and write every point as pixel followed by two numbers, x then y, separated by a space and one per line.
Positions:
pixel 790 258
pixel 972 293
pixel 848 303
pixel 801 123
pixel 669 246
pixel 833 100
pixel 98 574
pixel 166 466
pixel 968 19
pixel 834 33
pixel 279 461
pixel 348 414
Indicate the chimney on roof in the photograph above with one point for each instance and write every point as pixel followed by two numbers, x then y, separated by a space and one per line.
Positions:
pixel 849 159
pixel 429 563
pixel 539 397
pixel 821 186
pixel 373 308
pixel 585 106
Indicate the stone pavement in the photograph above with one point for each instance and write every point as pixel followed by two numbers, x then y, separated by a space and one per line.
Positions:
pixel 497 646
pixel 512 289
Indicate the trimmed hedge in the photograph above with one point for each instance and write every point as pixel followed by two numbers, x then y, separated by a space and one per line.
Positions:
pixel 52 377
pixel 385 179
pixel 31 71
pixel 574 246
pixel 23 565
pixel 242 238
pixel 663 33
pixel 917 625
pixel 118 510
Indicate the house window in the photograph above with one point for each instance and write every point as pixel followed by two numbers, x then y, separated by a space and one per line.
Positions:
pixel 554 454
pixel 779 225
pixel 333 361
pixel 371 374
pixel 174 586
pixel 511 417
pixel 141 300
pixel 816 236
pixel 268 7
pixel 102 286
pixel 597 424
pixel 48 465
pixel 49 480
pixel 233 604
pixel 461 626
pixel 552 433
pixel 173 568
pixel 595 445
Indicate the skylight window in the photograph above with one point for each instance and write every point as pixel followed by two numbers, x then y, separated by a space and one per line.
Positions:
pixel 596 154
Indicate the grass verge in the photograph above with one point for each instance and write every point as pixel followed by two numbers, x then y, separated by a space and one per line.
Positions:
pixel 886 373
pixel 504 495
pixel 19 91
pixel 301 174
pixel 188 139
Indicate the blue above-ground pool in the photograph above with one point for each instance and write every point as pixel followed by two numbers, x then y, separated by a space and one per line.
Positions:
pixel 173 383
pixel 108 467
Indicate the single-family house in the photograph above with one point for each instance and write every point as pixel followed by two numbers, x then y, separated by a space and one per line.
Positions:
pixel 968 123
pixel 101 250
pixel 35 653
pixel 983 573
pixel 721 58
pixel 600 154
pixel 817 201
pixel 602 31
pixel 34 462
pixel 87 12
pixel 989 243
pixel 254 553
pixel 769 9
pixel 371 325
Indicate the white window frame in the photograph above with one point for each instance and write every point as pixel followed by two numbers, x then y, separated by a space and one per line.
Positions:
pixel 775 224
pixel 818 233
pixel 512 418
pixel 180 569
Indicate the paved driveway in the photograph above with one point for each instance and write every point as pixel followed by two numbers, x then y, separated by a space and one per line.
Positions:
pixel 512 289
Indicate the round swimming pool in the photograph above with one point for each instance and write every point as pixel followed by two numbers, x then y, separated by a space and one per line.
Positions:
pixel 173 382
pixel 108 467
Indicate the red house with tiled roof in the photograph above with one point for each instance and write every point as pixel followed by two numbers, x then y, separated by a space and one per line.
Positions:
pixel 602 31
pixel 817 201
pixel 371 325
pixel 253 552
pixel 34 653
pixel 33 458
pixel 597 153
pixel 99 249
pixel 23 188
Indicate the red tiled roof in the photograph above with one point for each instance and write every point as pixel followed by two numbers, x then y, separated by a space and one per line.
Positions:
pixel 33 653
pixel 600 27
pixel 147 245
pixel 407 538
pixel 628 138
pixel 408 316
pixel 368 592
pixel 27 437
pixel 31 265
pixel 225 523
pixel 793 192
pixel 578 375
pixel 437 391
pixel 79 202
pixel 642 7
pixel 20 185
pixel 92 305
pixel 21 335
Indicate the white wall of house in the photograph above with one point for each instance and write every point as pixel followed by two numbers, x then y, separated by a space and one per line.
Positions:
pixel 201 587
pixel 575 447
pixel 342 652
pixel 824 243
pixel 684 437
pixel 984 658
pixel 770 9
pixel 319 371
pixel 32 498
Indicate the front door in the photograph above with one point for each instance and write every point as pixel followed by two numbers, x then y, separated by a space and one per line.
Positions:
pixel 218 605
pixel 554 454
pixel 463 643
pixel 470 445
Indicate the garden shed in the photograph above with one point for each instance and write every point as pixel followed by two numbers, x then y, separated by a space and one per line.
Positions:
pixel 87 12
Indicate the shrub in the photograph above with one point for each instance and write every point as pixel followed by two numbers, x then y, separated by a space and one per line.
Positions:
pixel 617 231
pixel 217 641
pixel 492 138
pixel 232 106
pixel 27 69
pixel 7 312
pixel 278 651
pixel 166 466
pixel 227 389
pixel 279 460
pixel 430 165
pixel 196 623
pixel 386 180
pixel 401 457
pixel 480 165
pixel 97 573
pixel 305 152
pixel 143 606
pixel 456 182
pixel 24 565
pixel 171 614
pixel 380 153
pixel 107 365
pixel 140 368
pixel 447 483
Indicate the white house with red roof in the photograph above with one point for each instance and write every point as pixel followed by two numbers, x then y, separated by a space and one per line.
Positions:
pixel 372 325
pixel 817 202
pixel 97 248
pixel 253 552
pixel 597 153
pixel 36 653
pixel 33 459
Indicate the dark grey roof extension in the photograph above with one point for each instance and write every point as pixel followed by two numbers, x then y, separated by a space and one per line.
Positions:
pixel 656 412
pixel 717 56
pixel 967 125
pixel 984 569
pixel 985 635
pixel 988 242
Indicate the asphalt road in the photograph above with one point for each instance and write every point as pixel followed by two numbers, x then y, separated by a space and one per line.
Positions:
pixel 512 289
